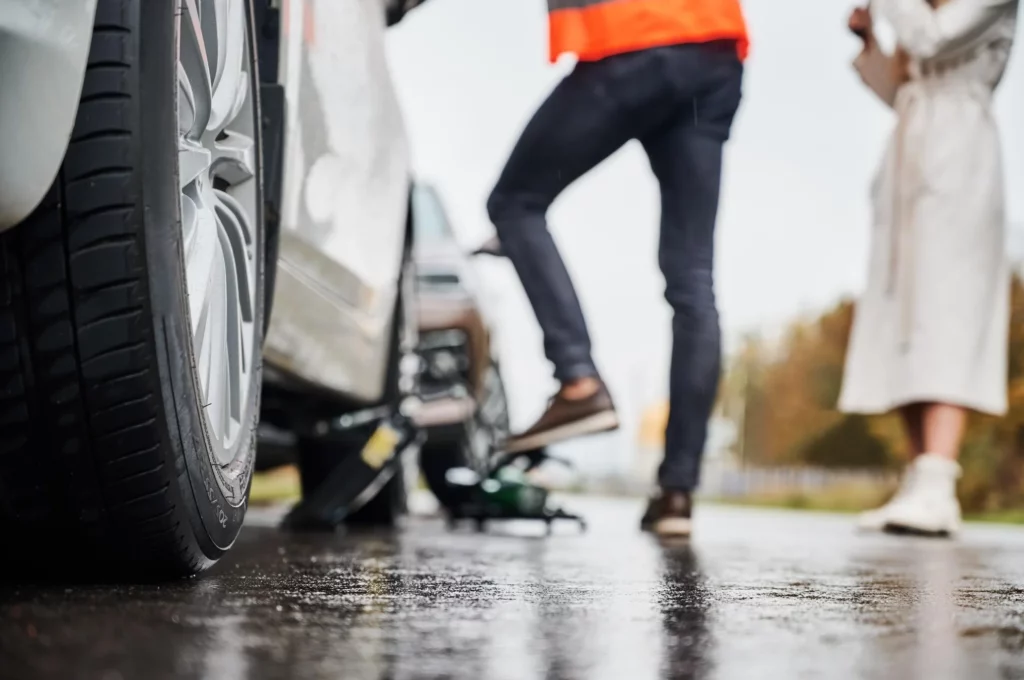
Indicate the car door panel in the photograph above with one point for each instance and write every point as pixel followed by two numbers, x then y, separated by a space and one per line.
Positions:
pixel 329 327
pixel 344 198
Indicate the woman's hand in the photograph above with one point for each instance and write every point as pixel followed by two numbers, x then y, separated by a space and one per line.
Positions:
pixel 860 24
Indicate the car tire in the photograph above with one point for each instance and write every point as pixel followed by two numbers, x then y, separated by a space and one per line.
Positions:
pixel 476 443
pixel 109 464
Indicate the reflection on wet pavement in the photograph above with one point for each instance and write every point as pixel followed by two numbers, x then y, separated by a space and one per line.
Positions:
pixel 756 594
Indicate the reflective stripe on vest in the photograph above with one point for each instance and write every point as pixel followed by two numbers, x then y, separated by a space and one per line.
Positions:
pixel 594 29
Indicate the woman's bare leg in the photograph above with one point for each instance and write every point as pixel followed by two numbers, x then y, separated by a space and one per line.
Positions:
pixel 943 428
pixel 913 423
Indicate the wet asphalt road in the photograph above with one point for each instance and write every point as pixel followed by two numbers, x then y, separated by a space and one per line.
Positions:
pixel 756 594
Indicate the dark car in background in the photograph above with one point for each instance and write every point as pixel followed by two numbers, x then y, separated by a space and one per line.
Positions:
pixel 464 409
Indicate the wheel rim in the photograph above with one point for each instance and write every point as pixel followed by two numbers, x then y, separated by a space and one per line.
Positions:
pixel 219 209
pixel 489 425
pixel 409 361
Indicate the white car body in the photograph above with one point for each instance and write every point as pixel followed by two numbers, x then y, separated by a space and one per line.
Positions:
pixel 44 45
pixel 346 182
pixel 345 198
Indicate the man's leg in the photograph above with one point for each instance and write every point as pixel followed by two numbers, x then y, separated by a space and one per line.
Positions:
pixel 581 123
pixel 686 157
pixel 571 132
pixel 689 180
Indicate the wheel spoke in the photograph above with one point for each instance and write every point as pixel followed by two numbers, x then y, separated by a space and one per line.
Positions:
pixel 210 21
pixel 234 158
pixel 189 223
pixel 245 227
pixel 195 63
pixel 193 162
pixel 200 268
pixel 234 250
pixel 233 329
pixel 186 102
pixel 216 370
pixel 231 79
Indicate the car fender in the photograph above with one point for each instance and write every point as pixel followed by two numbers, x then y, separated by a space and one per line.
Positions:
pixel 44 48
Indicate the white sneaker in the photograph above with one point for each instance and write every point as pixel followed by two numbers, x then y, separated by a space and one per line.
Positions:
pixel 925 502
pixel 875 520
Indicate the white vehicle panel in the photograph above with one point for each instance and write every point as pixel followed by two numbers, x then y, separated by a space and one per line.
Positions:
pixel 345 197
pixel 44 46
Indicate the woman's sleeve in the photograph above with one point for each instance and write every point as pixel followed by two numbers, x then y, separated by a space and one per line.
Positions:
pixel 877 70
pixel 925 32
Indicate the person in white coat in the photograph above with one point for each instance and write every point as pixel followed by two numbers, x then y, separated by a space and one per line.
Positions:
pixel 930 332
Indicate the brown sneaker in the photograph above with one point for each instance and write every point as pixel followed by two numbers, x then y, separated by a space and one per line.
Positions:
pixel 668 515
pixel 567 419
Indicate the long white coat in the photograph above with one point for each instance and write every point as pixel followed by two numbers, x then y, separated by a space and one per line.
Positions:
pixel 932 323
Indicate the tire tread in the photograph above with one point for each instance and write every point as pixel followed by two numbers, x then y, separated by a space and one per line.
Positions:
pixel 82 464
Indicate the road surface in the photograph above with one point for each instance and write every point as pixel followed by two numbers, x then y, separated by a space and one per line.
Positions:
pixel 756 594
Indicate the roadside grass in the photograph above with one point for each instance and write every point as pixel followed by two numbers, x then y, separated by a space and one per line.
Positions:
pixel 275 486
pixel 851 500
pixel 279 485
pixel 1013 516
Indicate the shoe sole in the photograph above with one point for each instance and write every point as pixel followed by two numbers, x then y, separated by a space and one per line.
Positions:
pixel 605 421
pixel 870 527
pixel 906 530
pixel 673 527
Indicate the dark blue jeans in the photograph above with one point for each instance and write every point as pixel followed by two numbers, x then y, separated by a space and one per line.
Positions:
pixel 679 102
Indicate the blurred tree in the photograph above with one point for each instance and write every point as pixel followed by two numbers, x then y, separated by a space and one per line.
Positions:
pixel 848 444
pixel 740 395
pixel 801 387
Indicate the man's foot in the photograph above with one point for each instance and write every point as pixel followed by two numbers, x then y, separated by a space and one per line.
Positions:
pixel 925 502
pixel 668 515
pixel 570 414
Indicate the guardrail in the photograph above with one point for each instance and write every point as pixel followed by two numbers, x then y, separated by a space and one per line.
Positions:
pixel 728 482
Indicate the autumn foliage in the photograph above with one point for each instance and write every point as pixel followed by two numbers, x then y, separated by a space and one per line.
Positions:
pixel 784 396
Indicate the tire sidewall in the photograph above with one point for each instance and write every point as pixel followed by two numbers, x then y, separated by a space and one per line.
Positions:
pixel 214 498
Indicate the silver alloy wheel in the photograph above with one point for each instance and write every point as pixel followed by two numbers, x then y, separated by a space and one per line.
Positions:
pixel 489 425
pixel 219 210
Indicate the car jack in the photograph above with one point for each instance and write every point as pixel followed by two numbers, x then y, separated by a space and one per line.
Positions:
pixel 357 478
pixel 505 493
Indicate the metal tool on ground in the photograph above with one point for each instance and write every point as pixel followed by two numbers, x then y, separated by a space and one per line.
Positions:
pixel 358 478
pixel 506 492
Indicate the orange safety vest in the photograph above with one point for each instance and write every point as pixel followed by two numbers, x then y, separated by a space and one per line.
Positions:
pixel 595 29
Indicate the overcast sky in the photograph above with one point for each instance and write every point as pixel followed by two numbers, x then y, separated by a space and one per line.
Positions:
pixel 793 227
